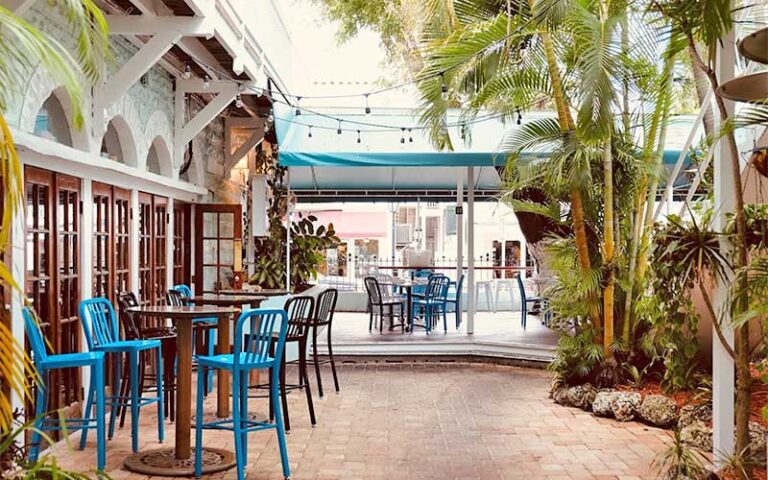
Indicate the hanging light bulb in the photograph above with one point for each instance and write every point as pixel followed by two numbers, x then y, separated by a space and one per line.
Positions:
pixel 338 130
pixel 298 110
pixel 443 87
pixel 187 72
pixel 358 136
pixel 207 82
pixel 239 101
pixel 310 132
pixel 402 134
pixel 271 116
pixel 519 117
pixel 410 136
pixel 367 106
pixel 463 132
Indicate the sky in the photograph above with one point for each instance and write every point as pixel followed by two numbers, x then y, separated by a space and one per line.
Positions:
pixel 354 67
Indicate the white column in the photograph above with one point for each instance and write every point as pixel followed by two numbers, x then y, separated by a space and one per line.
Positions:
pixel 459 225
pixel 17 299
pixel 134 237
pixel 169 246
pixel 192 273
pixel 723 369
pixel 86 263
pixel 471 250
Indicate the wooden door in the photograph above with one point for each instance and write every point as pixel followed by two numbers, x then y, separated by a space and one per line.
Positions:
pixel 121 279
pixel 218 245
pixel 103 241
pixel 146 258
pixel 52 259
pixel 160 248
pixel 182 231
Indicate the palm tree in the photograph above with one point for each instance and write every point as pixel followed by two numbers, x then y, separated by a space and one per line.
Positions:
pixel 24 48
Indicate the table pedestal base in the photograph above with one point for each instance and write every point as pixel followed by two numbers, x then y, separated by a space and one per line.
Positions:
pixel 211 416
pixel 163 462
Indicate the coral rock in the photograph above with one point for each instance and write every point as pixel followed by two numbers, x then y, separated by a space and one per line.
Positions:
pixel 560 396
pixel 625 404
pixel 658 410
pixel 603 404
pixel 582 396
pixel 689 414
pixel 757 434
pixel 698 435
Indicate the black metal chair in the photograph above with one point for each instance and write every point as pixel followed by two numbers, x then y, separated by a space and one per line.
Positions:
pixel 379 301
pixel 300 311
pixel 134 330
pixel 324 310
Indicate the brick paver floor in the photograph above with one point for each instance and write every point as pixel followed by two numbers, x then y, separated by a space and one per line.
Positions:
pixel 426 421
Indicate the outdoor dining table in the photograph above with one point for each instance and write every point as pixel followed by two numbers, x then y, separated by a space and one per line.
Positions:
pixel 177 461
pixel 264 292
pixel 407 287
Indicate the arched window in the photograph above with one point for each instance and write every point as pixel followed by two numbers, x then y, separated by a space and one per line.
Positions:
pixel 111 147
pixel 52 123
pixel 159 158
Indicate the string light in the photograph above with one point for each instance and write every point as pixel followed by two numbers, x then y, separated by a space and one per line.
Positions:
pixel 207 82
pixel 271 116
pixel 410 136
pixel 310 132
pixel 443 87
pixel 402 134
pixel 367 107
pixel 298 110
pixel 519 117
pixel 187 72
pixel 463 132
pixel 238 101
pixel 338 130
pixel 358 136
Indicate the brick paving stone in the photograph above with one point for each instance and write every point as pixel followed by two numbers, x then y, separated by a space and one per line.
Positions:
pixel 424 421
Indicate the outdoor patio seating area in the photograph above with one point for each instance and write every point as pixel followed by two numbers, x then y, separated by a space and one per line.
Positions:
pixel 384 239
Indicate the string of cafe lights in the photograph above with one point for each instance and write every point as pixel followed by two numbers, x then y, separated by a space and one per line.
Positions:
pixel 187 74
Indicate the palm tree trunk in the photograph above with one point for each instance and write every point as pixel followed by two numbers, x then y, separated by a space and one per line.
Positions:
pixel 740 261
pixel 608 250
pixel 642 200
pixel 577 205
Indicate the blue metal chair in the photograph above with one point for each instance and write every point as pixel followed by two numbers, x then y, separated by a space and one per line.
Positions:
pixel 209 325
pixel 44 363
pixel 525 300
pixel 251 352
pixel 455 299
pixel 433 303
pixel 103 335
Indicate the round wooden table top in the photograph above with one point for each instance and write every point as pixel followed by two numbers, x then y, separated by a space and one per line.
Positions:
pixel 266 292
pixel 227 300
pixel 171 311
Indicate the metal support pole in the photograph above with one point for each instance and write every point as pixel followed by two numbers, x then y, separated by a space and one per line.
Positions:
pixel 289 214
pixel 459 227
pixel 723 368
pixel 471 250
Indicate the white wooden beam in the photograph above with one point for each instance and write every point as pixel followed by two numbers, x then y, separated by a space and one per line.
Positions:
pixel 206 116
pixel 231 158
pixel 201 55
pixel 196 85
pixel 135 67
pixel 152 25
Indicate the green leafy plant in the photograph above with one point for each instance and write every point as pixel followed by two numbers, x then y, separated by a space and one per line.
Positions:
pixel 679 460
pixel 578 358
pixel 308 242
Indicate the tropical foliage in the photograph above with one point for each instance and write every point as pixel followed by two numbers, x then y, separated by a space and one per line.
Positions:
pixel 308 242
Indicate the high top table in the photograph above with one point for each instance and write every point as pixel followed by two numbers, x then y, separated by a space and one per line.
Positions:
pixel 177 461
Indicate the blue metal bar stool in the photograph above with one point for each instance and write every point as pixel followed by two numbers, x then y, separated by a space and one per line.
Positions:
pixel 44 363
pixel 103 335
pixel 525 300
pixel 207 326
pixel 251 352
